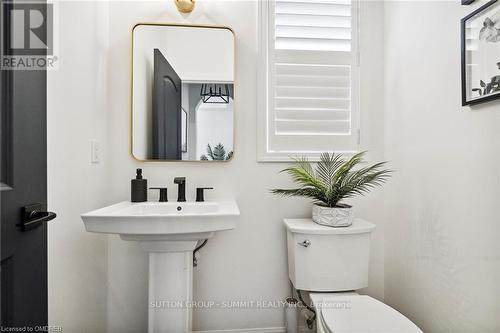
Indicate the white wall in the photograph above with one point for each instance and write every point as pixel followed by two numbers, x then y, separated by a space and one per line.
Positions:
pixel 442 264
pixel 76 112
pixel 248 263
pixel 196 54
pixel 214 125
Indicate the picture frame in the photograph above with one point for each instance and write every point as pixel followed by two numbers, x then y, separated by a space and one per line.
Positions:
pixel 480 54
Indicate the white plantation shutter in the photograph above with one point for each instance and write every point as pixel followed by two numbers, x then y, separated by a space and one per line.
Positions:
pixel 313 25
pixel 310 72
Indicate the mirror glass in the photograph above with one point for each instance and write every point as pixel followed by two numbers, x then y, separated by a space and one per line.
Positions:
pixel 182 93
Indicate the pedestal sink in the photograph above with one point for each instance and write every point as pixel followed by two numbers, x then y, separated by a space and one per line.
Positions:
pixel 169 232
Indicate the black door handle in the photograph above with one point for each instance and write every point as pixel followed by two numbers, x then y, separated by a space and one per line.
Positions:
pixel 33 216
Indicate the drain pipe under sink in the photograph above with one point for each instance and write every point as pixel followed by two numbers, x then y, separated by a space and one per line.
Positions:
pixel 195 260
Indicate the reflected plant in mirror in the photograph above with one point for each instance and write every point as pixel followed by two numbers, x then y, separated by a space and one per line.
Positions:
pixel 216 154
pixel 182 93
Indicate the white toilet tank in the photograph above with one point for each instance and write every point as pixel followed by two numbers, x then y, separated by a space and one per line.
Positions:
pixel 330 259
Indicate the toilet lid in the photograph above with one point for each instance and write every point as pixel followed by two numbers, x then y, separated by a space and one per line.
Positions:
pixel 363 314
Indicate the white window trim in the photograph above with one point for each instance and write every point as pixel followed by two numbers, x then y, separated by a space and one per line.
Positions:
pixel 263 153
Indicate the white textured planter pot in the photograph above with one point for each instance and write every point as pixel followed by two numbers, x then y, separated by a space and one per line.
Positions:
pixel 333 216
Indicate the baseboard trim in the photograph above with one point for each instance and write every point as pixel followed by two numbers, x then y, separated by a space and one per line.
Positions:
pixel 257 330
pixel 249 330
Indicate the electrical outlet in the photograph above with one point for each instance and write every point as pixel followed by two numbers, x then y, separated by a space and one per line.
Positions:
pixel 95 147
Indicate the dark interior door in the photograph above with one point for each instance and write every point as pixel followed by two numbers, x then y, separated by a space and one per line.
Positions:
pixel 167 128
pixel 23 193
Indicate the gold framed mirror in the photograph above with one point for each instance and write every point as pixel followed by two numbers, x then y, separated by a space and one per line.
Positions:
pixel 182 93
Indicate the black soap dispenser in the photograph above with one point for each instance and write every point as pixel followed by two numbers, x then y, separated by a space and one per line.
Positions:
pixel 139 188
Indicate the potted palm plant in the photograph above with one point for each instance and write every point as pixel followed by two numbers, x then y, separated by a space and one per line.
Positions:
pixel 334 180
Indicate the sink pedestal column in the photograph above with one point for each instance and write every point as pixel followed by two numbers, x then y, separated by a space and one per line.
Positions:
pixel 169 232
pixel 170 285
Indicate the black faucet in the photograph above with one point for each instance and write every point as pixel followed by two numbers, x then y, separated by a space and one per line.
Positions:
pixel 200 197
pixel 163 193
pixel 181 181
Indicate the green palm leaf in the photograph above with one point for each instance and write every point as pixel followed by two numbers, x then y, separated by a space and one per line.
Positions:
pixel 334 178
pixel 218 153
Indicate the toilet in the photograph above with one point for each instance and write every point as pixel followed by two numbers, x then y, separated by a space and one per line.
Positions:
pixel 331 264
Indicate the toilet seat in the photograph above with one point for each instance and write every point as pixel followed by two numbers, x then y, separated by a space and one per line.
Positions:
pixel 360 314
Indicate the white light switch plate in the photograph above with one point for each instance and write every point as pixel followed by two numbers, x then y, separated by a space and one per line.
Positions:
pixel 95 147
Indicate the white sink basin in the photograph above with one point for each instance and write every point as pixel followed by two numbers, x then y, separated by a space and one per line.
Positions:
pixel 163 220
pixel 169 231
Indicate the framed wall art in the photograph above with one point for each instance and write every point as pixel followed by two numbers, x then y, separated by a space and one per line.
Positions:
pixel 480 33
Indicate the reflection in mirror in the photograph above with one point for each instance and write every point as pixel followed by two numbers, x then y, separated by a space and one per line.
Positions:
pixel 182 93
